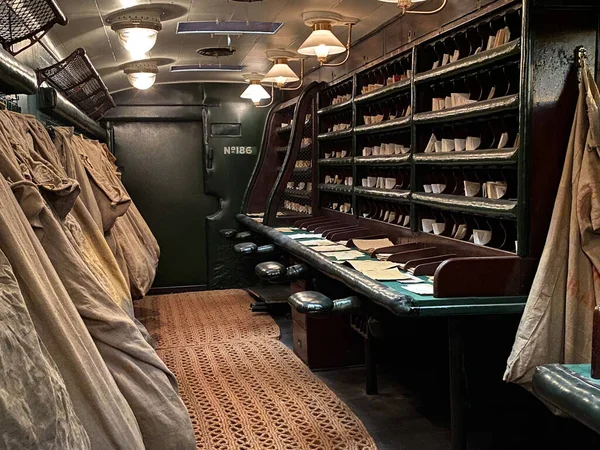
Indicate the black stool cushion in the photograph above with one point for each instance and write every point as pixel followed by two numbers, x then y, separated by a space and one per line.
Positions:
pixel 311 302
pixel 270 270
pixel 246 248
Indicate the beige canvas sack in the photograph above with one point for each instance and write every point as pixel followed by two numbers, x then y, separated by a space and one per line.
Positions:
pixel 36 410
pixel 80 256
pixel 556 326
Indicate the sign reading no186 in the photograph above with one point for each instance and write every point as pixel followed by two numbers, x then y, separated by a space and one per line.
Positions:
pixel 241 150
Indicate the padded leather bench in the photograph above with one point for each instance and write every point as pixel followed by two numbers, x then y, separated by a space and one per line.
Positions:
pixel 570 388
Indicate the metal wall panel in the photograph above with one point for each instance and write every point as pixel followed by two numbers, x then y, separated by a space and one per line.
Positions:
pixel 184 184
pixel 162 170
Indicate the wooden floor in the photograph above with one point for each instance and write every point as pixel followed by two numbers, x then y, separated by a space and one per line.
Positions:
pixel 405 415
pixel 392 417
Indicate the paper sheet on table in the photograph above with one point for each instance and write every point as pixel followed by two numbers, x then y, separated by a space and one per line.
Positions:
pixel 392 275
pixel 383 256
pixel 302 236
pixel 389 275
pixel 286 229
pixel 345 256
pixel 373 266
pixel 421 288
pixel 372 244
pixel 318 242
pixel 331 248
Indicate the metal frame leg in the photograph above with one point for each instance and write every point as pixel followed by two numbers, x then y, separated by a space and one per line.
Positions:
pixel 458 387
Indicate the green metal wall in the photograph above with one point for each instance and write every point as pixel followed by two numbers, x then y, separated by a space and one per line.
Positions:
pixel 181 178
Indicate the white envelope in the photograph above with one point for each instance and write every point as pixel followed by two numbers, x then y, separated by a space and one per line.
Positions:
pixel 461 232
pixel 438 228
pixel 438 188
pixel 482 237
pixel 460 145
pixel 431 144
pixel 503 140
pixel 427 225
pixel 447 145
pixel 473 143
pixel 472 188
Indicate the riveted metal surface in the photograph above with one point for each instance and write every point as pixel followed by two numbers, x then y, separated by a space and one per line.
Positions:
pixel 227 179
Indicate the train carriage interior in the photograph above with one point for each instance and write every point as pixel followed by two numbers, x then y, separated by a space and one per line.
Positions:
pixel 299 224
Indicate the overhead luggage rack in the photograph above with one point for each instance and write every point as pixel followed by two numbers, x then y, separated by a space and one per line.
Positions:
pixel 77 79
pixel 22 20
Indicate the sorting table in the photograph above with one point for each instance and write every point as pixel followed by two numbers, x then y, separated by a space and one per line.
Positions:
pixel 403 303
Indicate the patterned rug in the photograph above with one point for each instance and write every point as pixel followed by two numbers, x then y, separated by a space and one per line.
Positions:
pixel 192 318
pixel 257 395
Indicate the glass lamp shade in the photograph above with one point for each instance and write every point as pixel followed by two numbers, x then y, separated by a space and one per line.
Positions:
pixel 141 80
pixel 256 93
pixel 321 43
pixel 137 40
pixel 280 74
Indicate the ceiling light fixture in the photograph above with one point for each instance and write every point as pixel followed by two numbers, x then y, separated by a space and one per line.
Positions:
pixel 322 43
pixel 255 91
pixel 404 5
pixel 136 27
pixel 281 73
pixel 141 74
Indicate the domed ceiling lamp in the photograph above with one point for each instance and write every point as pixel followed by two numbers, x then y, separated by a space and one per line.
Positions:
pixel 281 73
pixel 322 43
pixel 136 27
pixel 404 5
pixel 141 74
pixel 255 91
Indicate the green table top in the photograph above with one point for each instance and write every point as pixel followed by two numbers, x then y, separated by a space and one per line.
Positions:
pixel 428 305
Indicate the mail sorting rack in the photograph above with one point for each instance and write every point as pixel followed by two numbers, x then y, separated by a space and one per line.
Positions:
pixel 453 113
pixel 336 148
pixel 467 132
pixel 284 169
pixel 293 194
pixel 335 123
pixel 272 153
pixel 335 187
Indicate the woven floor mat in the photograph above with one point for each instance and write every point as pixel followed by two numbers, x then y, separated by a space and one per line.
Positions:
pixel 192 318
pixel 257 395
